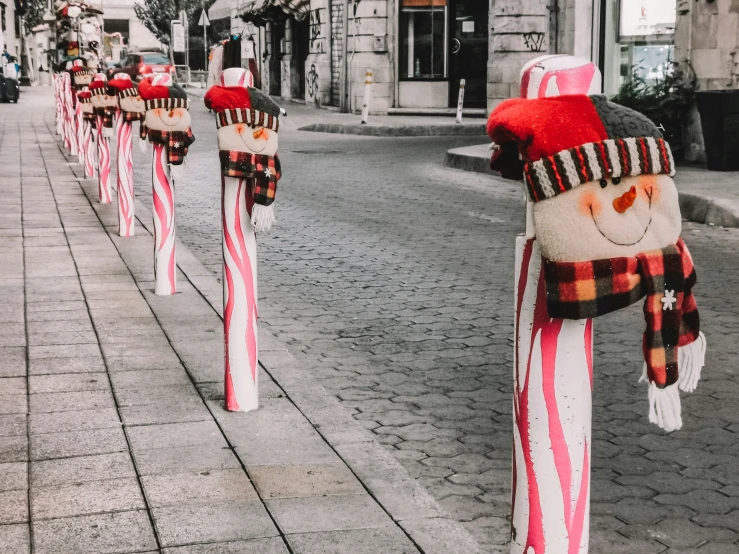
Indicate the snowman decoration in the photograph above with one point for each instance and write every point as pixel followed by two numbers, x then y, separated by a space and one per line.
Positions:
pixel 608 222
pixel 104 106
pixel 84 97
pixel 247 122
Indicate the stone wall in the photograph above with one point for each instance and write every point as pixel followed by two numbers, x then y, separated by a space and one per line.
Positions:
pixel 318 64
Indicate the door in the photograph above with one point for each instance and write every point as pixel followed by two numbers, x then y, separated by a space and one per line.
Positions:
pixel 468 56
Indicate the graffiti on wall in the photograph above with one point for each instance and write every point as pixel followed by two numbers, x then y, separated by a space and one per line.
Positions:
pixel 312 78
pixel 534 41
pixel 316 44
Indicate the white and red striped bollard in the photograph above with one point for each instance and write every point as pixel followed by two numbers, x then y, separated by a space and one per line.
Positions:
pixel 239 281
pixel 239 297
pixel 89 143
pixel 553 370
pixel 124 161
pixel 80 133
pixel 59 105
pixel 105 193
pixel 68 111
pixel 165 266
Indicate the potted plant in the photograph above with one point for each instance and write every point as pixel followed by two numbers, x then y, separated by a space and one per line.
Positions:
pixel 666 100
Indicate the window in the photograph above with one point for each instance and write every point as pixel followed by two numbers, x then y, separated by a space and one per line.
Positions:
pixel 156 59
pixel 423 29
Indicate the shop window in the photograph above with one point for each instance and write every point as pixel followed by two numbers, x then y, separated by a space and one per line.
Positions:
pixel 423 30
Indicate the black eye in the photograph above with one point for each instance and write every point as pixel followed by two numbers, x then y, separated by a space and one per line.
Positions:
pixel 616 180
pixel 603 183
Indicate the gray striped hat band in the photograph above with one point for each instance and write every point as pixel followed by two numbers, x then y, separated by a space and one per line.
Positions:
pixel 166 103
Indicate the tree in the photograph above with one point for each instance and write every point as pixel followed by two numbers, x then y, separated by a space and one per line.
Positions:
pixel 157 15
pixel 34 14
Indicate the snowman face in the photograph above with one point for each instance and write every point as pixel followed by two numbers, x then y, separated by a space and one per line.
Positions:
pixel 242 138
pixel 104 101
pixel 592 222
pixel 87 108
pixel 83 79
pixel 132 104
pixel 162 119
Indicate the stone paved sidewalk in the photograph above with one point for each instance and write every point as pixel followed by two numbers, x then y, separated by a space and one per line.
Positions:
pixel 113 438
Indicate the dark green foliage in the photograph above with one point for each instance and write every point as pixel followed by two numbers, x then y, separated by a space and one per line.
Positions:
pixel 666 102
pixel 157 15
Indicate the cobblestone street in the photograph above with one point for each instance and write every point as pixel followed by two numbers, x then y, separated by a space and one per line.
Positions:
pixel 390 278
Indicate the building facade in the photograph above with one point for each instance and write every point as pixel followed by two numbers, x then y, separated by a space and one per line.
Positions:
pixel 123 30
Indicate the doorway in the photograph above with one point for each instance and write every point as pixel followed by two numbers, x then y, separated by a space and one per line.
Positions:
pixel 468 51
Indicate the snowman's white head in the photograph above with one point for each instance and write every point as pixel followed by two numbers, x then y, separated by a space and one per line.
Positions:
pixel 599 174
pixel 166 104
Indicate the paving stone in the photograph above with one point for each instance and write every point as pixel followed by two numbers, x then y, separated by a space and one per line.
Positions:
pixel 13 404
pixel 230 485
pixel 329 513
pixel 678 533
pixel 173 410
pixel 304 480
pixel 12 385
pixel 84 364
pixel 205 434
pixel 12 361
pixel 15 539
pixel 65 471
pixel 73 382
pixel 61 422
pixel 254 546
pixel 101 533
pixel 187 523
pixel 388 540
pixel 185 459
pixel 77 443
pixel 12 425
pixel 14 449
pixel 13 476
pixel 13 506
pixel 71 401
pixel 91 497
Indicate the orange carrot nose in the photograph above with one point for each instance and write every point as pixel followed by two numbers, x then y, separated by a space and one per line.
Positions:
pixel 259 132
pixel 171 113
pixel 625 201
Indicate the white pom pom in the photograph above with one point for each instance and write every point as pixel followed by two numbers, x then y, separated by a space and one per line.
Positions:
pixel 142 144
pixel 664 407
pixel 262 217
pixel 690 361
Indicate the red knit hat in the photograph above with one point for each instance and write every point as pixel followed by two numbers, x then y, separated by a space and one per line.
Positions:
pixel 559 143
pixel 98 85
pixel 84 96
pixel 240 103
pixel 79 68
pixel 160 91
pixel 122 86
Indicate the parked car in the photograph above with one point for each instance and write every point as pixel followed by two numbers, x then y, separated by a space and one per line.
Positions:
pixel 138 64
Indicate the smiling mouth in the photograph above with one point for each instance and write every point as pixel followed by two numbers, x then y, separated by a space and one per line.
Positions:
pixel 170 119
pixel 649 223
pixel 250 148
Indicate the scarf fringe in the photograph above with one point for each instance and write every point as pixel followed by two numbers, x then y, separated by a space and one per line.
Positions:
pixel 691 359
pixel 142 144
pixel 177 171
pixel 664 407
pixel 108 132
pixel 262 217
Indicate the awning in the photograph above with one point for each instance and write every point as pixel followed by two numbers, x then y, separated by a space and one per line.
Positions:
pixel 261 11
pixel 221 9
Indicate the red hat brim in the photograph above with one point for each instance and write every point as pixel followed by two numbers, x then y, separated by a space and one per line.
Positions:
pixel 220 98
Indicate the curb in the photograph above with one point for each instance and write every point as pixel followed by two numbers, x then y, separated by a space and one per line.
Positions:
pixel 442 130
pixel 700 209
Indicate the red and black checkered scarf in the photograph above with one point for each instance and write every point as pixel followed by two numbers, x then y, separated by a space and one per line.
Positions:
pixel 581 290
pixel 132 116
pixel 106 114
pixel 177 143
pixel 265 170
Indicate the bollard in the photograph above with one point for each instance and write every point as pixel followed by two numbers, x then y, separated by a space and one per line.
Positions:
pixel 84 97
pixel 460 100
pixel 167 123
pixel 102 105
pixel 367 96
pixel 67 109
pixel 80 133
pixel 247 122
pixel 130 109
pixel 553 365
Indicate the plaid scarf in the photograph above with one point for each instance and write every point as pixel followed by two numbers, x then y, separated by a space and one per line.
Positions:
pixel 106 114
pixel 580 290
pixel 177 143
pixel 133 116
pixel 143 134
pixel 265 170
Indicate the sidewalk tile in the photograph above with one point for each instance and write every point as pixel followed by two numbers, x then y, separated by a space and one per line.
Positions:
pixel 304 480
pixel 230 485
pixel 71 401
pixel 386 540
pixel 77 443
pixel 136 363
pixel 79 420
pixel 92 497
pixel 62 315
pixel 254 546
pixel 61 337
pixel 14 449
pixel 13 506
pixel 13 404
pixel 40 327
pixel 15 539
pixel 13 385
pixel 12 425
pixel 68 382
pixel 63 351
pixel 204 433
pixel 171 410
pixel 184 459
pixel 185 524
pixel 148 378
pixel 13 361
pixel 52 366
pixel 156 395
pixel 58 306
pixel 101 534
pixel 65 471
pixel 14 476
pixel 328 513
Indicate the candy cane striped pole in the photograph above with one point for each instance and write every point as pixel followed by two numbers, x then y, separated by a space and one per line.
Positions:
pixel 67 100
pixel 104 190
pixel 89 145
pixel 80 133
pixel 59 105
pixel 239 297
pixel 553 370
pixel 125 177
pixel 165 268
